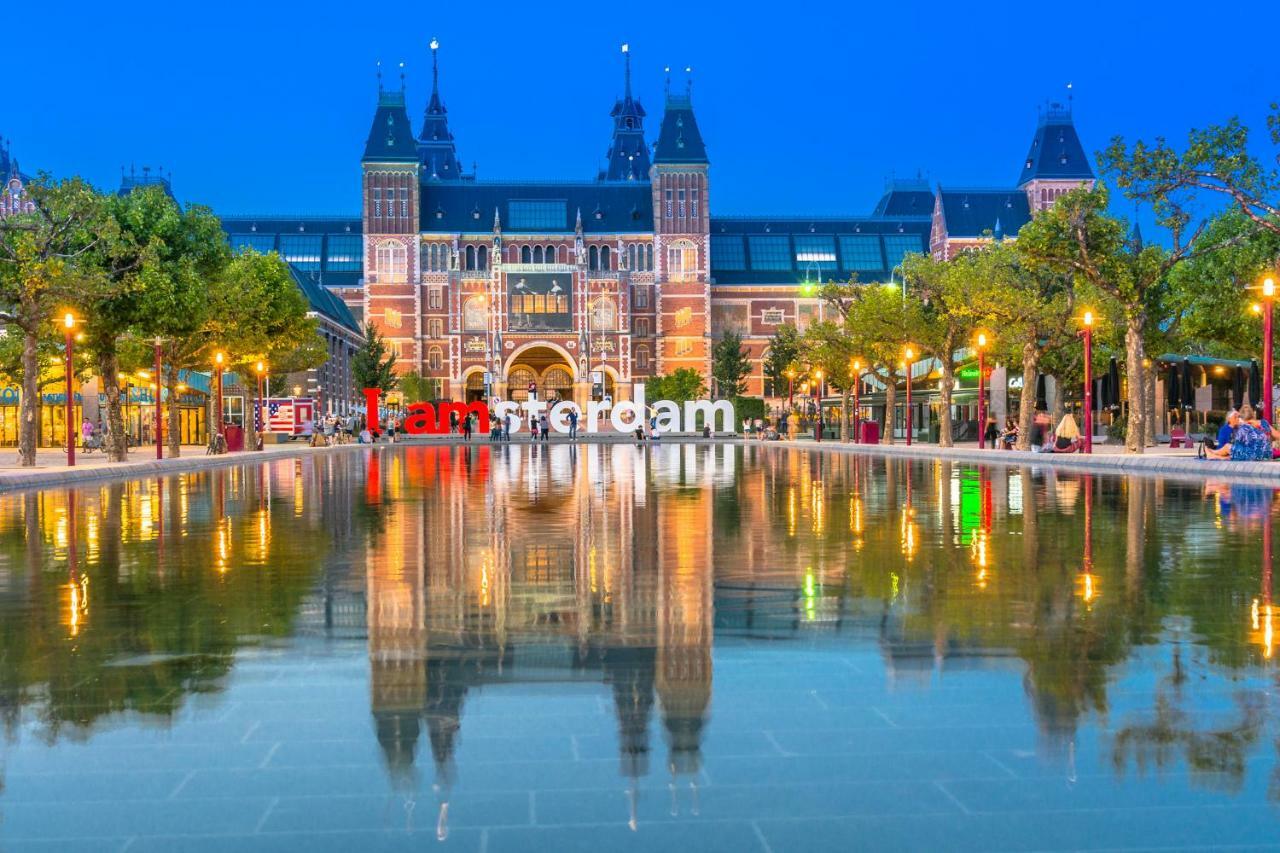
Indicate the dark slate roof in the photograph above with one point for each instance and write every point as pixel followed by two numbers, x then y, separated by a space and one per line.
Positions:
pixel 438 153
pixel 133 181
pixel 390 136
pixel 323 301
pixel 628 155
pixel 607 207
pixel 973 212
pixel 905 198
pixel 892 238
pixel 339 262
pixel 679 140
pixel 9 165
pixel 1056 152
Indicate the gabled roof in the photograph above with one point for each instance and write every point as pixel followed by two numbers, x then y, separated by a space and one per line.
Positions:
pixel 974 212
pixel 1056 152
pixel 550 207
pixel 322 301
pixel 679 140
pixel 390 136
pixel 911 197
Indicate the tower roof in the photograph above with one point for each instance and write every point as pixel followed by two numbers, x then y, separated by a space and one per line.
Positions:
pixel 679 140
pixel 628 156
pixel 1056 152
pixel 390 136
pixel 438 153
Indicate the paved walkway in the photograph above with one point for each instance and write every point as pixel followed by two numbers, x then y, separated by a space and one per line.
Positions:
pixel 51 469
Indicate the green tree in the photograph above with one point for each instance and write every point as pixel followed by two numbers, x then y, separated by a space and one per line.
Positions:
pixel 372 366
pixel 730 365
pixel 679 387
pixel 826 346
pixel 418 388
pixel 40 271
pixel 1216 160
pixel 880 322
pixel 782 355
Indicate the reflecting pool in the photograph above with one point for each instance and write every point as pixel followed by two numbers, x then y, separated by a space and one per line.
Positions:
pixel 714 648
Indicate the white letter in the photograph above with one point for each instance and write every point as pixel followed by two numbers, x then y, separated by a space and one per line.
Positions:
pixel 560 415
pixel 668 415
pixel 708 410
pixel 633 407
pixel 533 408
pixel 594 408
pixel 506 412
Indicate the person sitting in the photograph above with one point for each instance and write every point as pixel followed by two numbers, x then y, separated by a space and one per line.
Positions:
pixel 1067 438
pixel 365 436
pixel 1009 437
pixel 1220 447
pixel 1251 441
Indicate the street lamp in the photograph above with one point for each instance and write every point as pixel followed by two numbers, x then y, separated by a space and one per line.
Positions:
pixel 159 422
pixel 69 328
pixel 260 422
pixel 1087 320
pixel 1268 298
pixel 217 369
pixel 982 388
pixel 817 393
pixel 857 408
pixel 791 388
pixel 908 354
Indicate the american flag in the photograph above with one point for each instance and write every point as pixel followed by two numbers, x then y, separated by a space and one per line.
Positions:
pixel 280 416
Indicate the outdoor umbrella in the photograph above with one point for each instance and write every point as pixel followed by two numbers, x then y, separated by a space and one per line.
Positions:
pixel 1042 399
pixel 1237 388
pixel 1188 390
pixel 1173 388
pixel 1255 382
pixel 1113 385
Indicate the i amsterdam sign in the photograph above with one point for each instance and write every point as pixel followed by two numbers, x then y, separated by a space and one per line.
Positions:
pixel 669 416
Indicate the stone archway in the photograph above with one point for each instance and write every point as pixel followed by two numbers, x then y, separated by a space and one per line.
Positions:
pixel 544 365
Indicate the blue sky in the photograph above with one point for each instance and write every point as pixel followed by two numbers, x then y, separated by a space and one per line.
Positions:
pixel 806 107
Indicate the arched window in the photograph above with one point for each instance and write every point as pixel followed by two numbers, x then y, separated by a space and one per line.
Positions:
pixel 482 258
pixel 526 256
pixel 604 315
pixel 518 381
pixel 682 260
pixel 593 258
pixel 648 258
pixel 475 314
pixel 537 254
pixel 471 258
pixel 631 256
pixel 514 251
pixel 604 258
pixel 558 383
pixel 551 254
pixel 435 359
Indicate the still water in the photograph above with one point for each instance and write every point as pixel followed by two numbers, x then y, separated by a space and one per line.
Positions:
pixel 620 648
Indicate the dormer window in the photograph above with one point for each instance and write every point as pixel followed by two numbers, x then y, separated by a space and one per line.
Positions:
pixel 439 213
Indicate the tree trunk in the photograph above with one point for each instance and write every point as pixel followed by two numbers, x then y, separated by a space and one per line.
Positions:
pixel 29 417
pixel 945 388
pixel 1058 408
pixel 1149 401
pixel 844 415
pixel 1027 400
pixel 175 417
pixel 109 375
pixel 1135 325
pixel 890 400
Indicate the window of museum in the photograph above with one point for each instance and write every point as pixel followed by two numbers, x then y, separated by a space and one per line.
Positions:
pixel 391 262
pixel 435 359
pixel 684 347
pixel 642 358
pixel 642 297
pixel 435 298
pixel 682 261
pixel 668 198
pixel 435 328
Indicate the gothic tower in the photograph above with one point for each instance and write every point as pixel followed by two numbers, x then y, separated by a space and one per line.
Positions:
pixel 682 226
pixel 390 185
pixel 628 156
pixel 1056 163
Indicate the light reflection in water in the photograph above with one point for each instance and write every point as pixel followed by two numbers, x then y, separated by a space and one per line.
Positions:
pixel 458 575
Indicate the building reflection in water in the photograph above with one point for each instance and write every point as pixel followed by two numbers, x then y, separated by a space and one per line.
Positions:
pixel 593 559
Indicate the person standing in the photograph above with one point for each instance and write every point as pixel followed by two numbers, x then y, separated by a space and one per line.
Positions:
pixel 466 427
pixel 533 427
pixel 573 424
pixel 545 425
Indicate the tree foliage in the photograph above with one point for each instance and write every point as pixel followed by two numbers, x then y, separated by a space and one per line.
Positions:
pixel 730 365
pixel 372 366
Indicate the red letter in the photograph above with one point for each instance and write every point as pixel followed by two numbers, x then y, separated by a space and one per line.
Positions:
pixel 463 409
pixel 422 418
pixel 371 396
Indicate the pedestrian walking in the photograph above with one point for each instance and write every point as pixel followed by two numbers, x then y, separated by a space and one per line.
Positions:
pixel 573 424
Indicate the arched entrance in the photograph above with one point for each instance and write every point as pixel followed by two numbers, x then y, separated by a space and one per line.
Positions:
pixel 475 387
pixel 547 368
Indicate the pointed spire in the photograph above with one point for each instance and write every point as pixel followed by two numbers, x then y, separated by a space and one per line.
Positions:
pixel 435 68
pixel 379 74
pixel 626 53
pixel 435 143
pixel 688 81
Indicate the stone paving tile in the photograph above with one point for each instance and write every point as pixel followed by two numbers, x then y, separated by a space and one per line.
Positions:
pixel 396 812
pixel 704 837
pixel 74 818
pixel 391 841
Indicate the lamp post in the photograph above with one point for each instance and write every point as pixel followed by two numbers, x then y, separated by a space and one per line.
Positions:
pixel 1268 298
pixel 908 355
pixel 817 393
pixel 1088 381
pixel 69 328
pixel 791 389
pixel 159 421
pixel 982 389
pixel 260 420
pixel 217 369
pixel 857 408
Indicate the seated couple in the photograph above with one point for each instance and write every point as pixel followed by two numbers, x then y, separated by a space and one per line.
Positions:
pixel 1243 437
